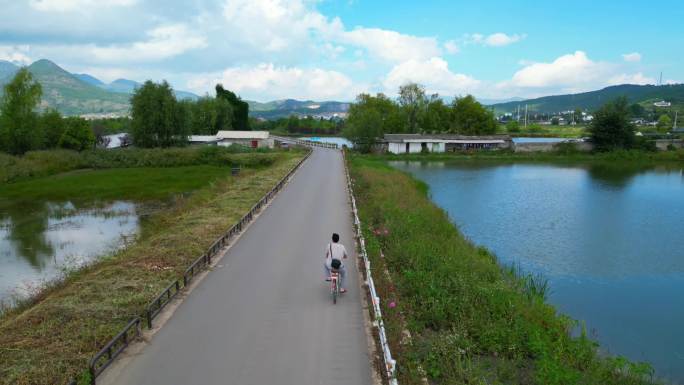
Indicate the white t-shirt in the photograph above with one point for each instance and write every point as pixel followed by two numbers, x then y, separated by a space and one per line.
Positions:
pixel 338 252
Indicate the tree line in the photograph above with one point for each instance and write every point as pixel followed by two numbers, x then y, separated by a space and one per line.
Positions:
pixel 158 119
pixel 23 129
pixel 370 117
pixel 294 124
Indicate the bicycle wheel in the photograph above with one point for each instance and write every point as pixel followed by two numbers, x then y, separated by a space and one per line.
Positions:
pixel 334 289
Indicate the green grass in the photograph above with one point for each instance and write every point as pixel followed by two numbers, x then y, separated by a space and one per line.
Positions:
pixel 471 321
pixel 43 163
pixel 50 339
pixel 138 184
pixel 546 131
pixel 567 155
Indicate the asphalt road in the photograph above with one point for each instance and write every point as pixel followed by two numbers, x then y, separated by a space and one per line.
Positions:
pixel 266 317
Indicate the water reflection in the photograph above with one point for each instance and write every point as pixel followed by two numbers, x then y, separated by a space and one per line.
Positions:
pixel 38 239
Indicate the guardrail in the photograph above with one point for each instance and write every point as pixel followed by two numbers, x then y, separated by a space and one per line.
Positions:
pixel 306 142
pixel 116 345
pixel 390 363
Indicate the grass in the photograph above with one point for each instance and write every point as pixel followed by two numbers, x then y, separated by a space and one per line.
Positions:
pixel 50 339
pixel 565 155
pixel 45 163
pixel 471 321
pixel 145 183
pixel 546 131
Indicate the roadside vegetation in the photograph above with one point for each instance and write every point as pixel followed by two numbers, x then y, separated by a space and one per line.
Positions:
pixel 44 163
pixel 49 338
pixel 471 320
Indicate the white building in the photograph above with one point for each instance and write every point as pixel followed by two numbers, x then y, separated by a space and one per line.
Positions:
pixel 416 143
pixel 253 139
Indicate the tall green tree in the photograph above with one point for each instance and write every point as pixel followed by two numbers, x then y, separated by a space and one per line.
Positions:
pixel 370 117
pixel 78 135
pixel 472 118
pixel 664 123
pixel 52 125
pixel 611 128
pixel 436 116
pixel 412 100
pixel 240 107
pixel 158 119
pixel 19 131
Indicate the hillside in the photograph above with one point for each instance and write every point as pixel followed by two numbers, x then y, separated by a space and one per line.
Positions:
pixel 7 69
pixel 283 108
pixel 590 101
pixel 78 94
pixel 71 95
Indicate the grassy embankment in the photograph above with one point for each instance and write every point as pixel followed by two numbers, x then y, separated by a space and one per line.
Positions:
pixel 566 154
pixel 51 339
pixel 471 320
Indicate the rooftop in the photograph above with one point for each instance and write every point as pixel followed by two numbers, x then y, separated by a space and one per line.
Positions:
pixel 242 135
pixel 403 138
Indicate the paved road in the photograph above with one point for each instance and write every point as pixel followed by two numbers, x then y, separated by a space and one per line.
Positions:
pixel 266 317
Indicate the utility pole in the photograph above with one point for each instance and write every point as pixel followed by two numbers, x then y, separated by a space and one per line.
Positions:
pixel 517 114
pixel 674 125
pixel 526 116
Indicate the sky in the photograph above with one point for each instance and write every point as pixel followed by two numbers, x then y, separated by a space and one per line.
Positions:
pixel 334 50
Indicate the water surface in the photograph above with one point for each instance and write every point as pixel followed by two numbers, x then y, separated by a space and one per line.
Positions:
pixel 610 240
pixel 38 240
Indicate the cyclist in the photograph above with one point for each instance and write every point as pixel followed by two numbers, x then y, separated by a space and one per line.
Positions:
pixel 335 251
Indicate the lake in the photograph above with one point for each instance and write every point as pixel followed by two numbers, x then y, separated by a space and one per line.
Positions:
pixel 610 241
pixel 38 240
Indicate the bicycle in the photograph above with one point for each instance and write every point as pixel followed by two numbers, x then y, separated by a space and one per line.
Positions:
pixel 334 284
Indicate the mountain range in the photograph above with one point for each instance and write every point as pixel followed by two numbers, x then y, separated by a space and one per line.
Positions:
pixel 78 94
pixel 645 95
pixel 284 108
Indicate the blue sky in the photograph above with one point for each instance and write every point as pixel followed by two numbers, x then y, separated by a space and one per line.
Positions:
pixel 271 49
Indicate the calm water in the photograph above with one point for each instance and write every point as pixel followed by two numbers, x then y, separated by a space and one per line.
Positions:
pixel 39 240
pixel 609 240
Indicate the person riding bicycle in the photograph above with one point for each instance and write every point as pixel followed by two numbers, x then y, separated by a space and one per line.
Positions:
pixel 334 254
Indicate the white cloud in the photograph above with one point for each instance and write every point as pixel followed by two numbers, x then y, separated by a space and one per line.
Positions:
pixel 391 45
pixel 498 39
pixel 163 42
pixel 268 82
pixel 568 74
pixel 15 54
pixel 451 47
pixel 434 74
pixel 632 57
pixel 637 78
pixel 76 5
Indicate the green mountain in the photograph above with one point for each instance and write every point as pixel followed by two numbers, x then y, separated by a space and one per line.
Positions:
pixel 71 95
pixel 7 70
pixel 284 108
pixel 590 101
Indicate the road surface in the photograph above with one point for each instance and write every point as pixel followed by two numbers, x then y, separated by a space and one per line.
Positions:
pixel 266 317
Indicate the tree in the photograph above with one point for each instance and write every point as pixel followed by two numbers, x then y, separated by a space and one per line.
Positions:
pixel 369 119
pixel 472 118
pixel 412 100
pixel 513 126
pixel 577 115
pixel 210 115
pixel 611 128
pixel 158 119
pixel 19 131
pixel 52 126
pixel 240 107
pixel 664 123
pixel 78 135
pixel 436 116
pixel 637 110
